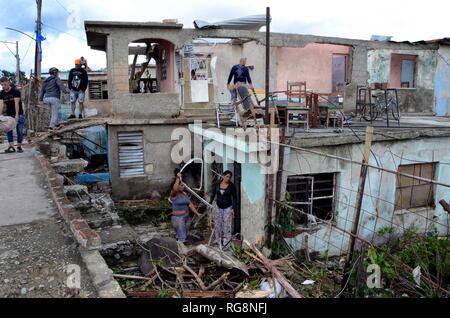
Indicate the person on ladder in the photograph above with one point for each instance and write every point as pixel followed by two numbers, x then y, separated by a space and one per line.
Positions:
pixel 240 75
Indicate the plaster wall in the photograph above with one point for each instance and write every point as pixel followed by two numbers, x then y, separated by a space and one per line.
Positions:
pixel 376 213
pixel 442 82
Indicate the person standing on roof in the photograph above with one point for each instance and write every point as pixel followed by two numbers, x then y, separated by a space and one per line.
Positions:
pixel 240 75
pixel 51 95
pixel 78 83
pixel 10 97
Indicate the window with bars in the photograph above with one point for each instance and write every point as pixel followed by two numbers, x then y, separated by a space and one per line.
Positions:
pixel 314 194
pixel 413 193
pixel 97 90
pixel 131 153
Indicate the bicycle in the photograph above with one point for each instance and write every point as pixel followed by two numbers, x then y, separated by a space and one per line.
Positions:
pixel 380 107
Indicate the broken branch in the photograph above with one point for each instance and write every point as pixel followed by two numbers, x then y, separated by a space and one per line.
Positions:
pixel 280 277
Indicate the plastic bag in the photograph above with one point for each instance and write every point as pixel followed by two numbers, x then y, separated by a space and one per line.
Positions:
pixel 7 124
pixel 277 292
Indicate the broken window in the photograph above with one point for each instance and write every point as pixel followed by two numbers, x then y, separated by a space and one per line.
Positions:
pixel 403 71
pixel 313 194
pixel 97 90
pixel 413 193
pixel 131 153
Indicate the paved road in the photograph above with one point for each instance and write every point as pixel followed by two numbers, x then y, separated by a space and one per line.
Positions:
pixel 35 245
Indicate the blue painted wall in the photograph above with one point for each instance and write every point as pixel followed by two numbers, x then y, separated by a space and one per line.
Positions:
pixel 442 82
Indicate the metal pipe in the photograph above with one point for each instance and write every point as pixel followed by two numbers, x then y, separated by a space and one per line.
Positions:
pixel 266 119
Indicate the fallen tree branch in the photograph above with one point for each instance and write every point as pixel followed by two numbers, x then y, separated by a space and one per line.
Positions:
pixel 218 281
pixel 280 277
pixel 200 283
pixel 133 277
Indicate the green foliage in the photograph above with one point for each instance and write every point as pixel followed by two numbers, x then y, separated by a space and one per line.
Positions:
pixel 386 230
pixel 254 283
pixel 163 293
pixel 283 224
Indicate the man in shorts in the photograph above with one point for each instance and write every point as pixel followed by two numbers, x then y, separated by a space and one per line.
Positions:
pixel 78 83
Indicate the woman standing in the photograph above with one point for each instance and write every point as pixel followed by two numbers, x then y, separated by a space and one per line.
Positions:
pixel 51 95
pixel 224 192
pixel 180 209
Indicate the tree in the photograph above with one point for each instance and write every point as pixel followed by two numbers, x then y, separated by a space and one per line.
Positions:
pixel 12 76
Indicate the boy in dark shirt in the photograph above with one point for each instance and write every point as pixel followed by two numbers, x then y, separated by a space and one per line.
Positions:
pixel 10 100
pixel 78 83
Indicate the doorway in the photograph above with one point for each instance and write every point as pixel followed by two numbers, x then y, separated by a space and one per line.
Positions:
pixel 338 72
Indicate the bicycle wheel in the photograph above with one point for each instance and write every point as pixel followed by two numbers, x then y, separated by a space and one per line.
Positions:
pixel 392 104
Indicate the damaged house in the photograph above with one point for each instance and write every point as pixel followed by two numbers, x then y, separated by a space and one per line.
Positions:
pixel 187 82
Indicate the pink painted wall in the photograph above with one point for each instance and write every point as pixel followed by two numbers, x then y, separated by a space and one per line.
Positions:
pixel 311 63
pixel 167 85
pixel 396 68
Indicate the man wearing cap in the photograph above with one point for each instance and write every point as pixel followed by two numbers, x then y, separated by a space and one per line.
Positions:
pixel 78 82
pixel 51 95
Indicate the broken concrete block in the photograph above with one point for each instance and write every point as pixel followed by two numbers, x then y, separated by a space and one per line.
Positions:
pixel 70 166
pixel 75 191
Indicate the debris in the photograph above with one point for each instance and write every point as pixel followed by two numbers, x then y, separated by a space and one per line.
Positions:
pixel 75 191
pixel 308 282
pixel 70 166
pixel 220 258
pixel 23 291
pixel 416 275
pixel 280 277
pixel 253 293
pixel 163 251
pixel 186 293
pixel 274 290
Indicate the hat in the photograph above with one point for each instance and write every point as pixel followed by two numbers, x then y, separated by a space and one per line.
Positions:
pixel 53 70
pixel 77 62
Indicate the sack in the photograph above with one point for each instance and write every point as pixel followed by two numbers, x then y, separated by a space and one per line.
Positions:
pixel 7 124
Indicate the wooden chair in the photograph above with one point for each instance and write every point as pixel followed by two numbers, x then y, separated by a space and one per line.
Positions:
pixel 297 110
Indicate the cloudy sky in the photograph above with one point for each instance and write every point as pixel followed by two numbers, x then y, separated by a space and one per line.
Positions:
pixel 66 40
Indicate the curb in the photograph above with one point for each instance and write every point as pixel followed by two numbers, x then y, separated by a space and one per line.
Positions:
pixel 89 240
pixel 84 235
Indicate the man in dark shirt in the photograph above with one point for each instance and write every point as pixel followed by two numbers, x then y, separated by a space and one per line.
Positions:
pixel 78 83
pixel 10 100
pixel 241 76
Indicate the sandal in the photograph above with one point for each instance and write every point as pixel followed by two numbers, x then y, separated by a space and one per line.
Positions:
pixel 11 149
pixel 19 149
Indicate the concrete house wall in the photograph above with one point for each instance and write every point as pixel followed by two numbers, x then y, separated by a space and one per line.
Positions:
pixel 442 81
pixel 312 64
pixel 414 100
pixel 376 213
pixel 158 164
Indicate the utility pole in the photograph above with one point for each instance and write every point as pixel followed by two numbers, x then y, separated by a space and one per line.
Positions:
pixel 16 55
pixel 267 119
pixel 37 61
pixel 17 64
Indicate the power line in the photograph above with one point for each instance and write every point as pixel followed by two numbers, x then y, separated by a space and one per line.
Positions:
pixel 60 31
pixel 63 7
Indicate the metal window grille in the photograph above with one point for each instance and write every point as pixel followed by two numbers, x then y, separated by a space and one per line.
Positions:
pixel 314 194
pixel 131 154
pixel 95 90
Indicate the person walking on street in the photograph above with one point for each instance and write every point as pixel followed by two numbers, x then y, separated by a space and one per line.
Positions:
pixel 51 95
pixel 224 192
pixel 10 97
pixel 78 83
